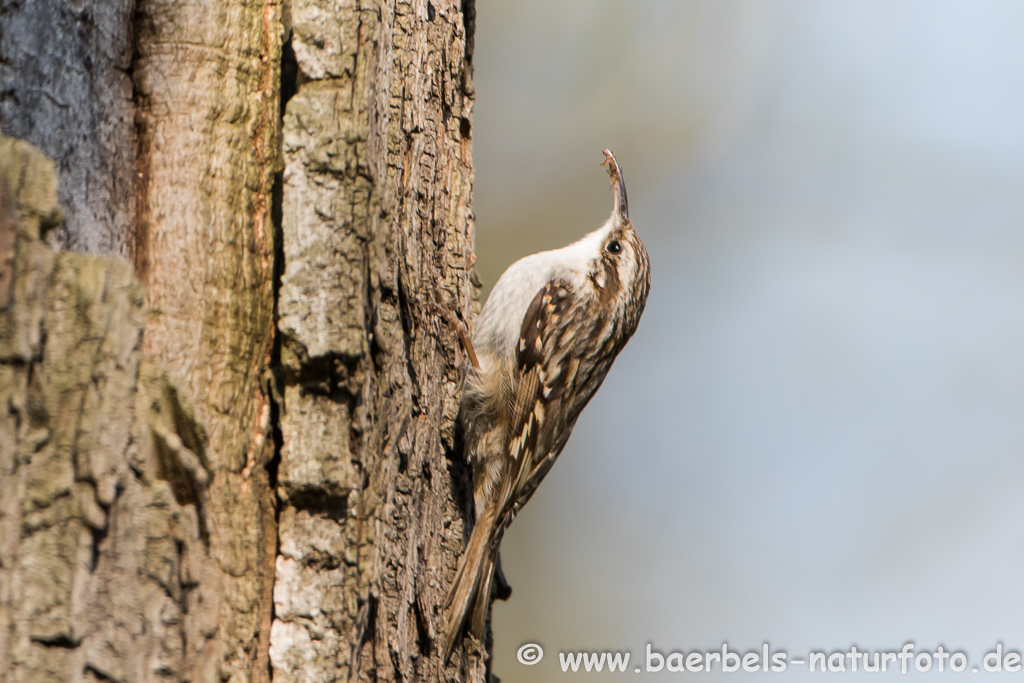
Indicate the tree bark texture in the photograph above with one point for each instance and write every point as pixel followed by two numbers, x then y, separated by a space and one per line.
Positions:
pixel 65 87
pixel 377 220
pixel 227 445
pixel 94 539
pixel 206 78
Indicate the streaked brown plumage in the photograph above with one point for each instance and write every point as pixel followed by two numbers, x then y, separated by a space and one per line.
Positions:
pixel 546 338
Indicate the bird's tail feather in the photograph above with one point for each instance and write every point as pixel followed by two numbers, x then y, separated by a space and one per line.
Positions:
pixel 470 592
pixel 478 617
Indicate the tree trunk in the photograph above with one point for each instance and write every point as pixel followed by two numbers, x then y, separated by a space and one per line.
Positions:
pixel 233 458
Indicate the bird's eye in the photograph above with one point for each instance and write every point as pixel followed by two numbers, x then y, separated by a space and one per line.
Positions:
pixel 614 247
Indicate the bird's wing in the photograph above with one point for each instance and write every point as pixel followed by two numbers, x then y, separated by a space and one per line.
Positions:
pixel 544 370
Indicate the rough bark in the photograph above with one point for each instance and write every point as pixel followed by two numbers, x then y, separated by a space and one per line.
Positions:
pixel 163 116
pixel 207 109
pixel 376 217
pixel 158 428
pixel 95 537
pixel 65 87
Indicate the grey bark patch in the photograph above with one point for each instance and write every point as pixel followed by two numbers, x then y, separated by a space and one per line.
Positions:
pixel 72 98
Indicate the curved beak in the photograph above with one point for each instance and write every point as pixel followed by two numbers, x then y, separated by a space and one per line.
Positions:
pixel 620 203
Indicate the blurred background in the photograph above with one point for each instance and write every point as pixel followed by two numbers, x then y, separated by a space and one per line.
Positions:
pixel 815 438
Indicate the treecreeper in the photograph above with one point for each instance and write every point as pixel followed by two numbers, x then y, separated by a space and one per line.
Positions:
pixel 545 340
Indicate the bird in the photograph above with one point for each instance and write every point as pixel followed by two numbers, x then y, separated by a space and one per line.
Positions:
pixel 544 342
